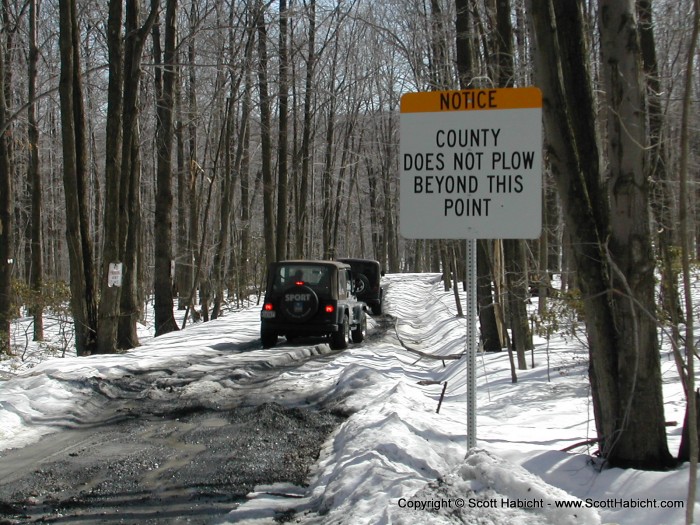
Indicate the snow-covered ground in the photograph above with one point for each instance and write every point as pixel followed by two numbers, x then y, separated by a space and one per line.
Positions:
pixel 395 459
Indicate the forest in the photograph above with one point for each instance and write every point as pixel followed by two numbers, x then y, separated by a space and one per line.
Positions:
pixel 176 147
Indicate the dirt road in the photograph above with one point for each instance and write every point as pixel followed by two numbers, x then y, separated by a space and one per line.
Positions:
pixel 156 459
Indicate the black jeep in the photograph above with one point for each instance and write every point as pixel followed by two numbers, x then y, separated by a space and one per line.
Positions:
pixel 312 298
pixel 368 275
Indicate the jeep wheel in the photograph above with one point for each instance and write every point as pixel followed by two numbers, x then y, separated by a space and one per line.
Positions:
pixel 299 303
pixel 361 283
pixel 359 333
pixel 339 339
pixel 268 338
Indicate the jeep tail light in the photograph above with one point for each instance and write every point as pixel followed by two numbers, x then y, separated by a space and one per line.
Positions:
pixel 330 308
pixel 268 307
pixel 299 283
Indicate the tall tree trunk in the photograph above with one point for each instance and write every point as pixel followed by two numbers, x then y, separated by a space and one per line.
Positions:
pixel 515 261
pixel 389 248
pixel 517 290
pixel 130 306
pixel 165 86
pixel 302 205
pixel 130 189
pixel 490 335
pixel 664 203
pixel 6 219
pixel 225 213
pixel 110 295
pixel 327 206
pixel 465 67
pixel 374 221
pixel 691 426
pixel 192 170
pixel 183 260
pixel 624 360
pixel 82 282
pixel 243 162
pixel 34 174
pixel 282 200
pixel 638 372
pixel 265 139
pixel 340 196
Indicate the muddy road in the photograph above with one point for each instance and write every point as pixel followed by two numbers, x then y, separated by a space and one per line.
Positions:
pixel 173 445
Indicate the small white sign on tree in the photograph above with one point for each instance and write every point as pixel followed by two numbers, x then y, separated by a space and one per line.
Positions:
pixel 114 276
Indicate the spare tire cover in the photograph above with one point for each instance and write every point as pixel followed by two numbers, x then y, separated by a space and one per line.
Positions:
pixel 299 303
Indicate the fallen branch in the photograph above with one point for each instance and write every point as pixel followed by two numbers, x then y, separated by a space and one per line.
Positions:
pixel 587 442
pixel 425 355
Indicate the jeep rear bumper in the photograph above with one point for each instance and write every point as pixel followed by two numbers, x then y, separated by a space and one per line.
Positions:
pixel 299 329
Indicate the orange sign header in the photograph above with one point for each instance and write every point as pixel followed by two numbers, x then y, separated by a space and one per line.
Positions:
pixel 471 100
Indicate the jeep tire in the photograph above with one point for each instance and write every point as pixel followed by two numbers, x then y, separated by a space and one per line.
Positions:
pixel 268 338
pixel 377 308
pixel 339 339
pixel 358 334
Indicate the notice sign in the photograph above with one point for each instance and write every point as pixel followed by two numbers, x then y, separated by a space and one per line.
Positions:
pixel 471 164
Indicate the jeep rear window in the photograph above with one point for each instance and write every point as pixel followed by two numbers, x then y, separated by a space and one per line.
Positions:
pixel 310 275
pixel 368 269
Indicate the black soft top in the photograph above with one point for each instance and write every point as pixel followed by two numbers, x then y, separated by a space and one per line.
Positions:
pixel 337 264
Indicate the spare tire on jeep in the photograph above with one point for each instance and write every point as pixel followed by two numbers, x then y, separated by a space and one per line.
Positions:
pixel 367 274
pixel 299 303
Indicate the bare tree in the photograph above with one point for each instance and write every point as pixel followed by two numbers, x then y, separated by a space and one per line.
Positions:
pixel 243 163
pixel 630 247
pixel 111 252
pixel 34 175
pixel 165 86
pixel 78 235
pixel 283 208
pixel 130 196
pixel 329 147
pixel 265 137
pixel 466 71
pixel 625 371
pixel 302 207
pixel 691 426
pixel 6 219
pixel 513 249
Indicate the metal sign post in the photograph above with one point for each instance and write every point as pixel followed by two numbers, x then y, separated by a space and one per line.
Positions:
pixel 471 168
pixel 472 313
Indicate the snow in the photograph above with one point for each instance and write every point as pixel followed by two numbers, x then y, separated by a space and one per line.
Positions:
pixel 395 459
